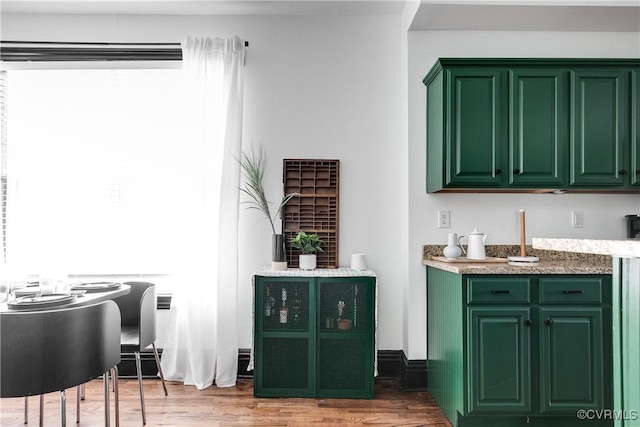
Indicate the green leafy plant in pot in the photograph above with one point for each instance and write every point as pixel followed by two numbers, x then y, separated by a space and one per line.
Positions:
pixel 308 244
pixel 253 162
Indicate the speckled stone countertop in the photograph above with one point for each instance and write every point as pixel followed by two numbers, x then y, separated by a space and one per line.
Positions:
pixel 620 247
pixel 551 262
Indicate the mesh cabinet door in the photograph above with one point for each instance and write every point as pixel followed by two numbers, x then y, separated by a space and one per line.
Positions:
pixel 283 338
pixel 346 325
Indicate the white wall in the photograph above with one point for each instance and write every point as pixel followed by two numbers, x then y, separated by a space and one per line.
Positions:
pixel 548 215
pixel 336 87
pixel 316 87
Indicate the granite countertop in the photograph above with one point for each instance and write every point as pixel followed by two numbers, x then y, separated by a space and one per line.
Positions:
pixel 619 247
pixel 551 262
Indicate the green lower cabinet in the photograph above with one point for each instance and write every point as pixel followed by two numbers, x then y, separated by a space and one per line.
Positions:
pixel 499 365
pixel 320 342
pixel 571 360
pixel 531 349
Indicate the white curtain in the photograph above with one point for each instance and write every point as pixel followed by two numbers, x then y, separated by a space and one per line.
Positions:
pixel 202 346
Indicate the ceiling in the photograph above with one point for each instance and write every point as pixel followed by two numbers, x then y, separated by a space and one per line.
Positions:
pixel 208 7
pixel 525 15
pixel 616 16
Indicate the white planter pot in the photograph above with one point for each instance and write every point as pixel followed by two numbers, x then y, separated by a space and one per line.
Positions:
pixel 308 262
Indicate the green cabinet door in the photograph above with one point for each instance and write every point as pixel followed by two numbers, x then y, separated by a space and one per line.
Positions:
pixel 538 120
pixel 600 127
pixel 284 344
pixel 634 169
pixel 571 359
pixel 474 115
pixel 345 341
pixel 499 371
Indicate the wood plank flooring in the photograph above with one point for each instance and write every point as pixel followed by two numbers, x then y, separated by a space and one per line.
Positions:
pixel 234 406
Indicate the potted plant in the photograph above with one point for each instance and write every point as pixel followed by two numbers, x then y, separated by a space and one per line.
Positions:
pixel 253 163
pixel 308 244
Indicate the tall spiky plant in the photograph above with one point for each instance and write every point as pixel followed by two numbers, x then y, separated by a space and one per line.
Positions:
pixel 253 163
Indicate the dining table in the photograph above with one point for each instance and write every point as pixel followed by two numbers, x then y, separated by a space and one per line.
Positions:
pixel 79 294
pixel 76 299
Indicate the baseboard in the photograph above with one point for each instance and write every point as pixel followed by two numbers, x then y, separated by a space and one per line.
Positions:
pixel 392 364
pixel 389 364
pixel 127 365
pixel 244 356
pixel 414 374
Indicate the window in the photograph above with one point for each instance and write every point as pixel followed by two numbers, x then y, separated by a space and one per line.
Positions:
pixel 100 179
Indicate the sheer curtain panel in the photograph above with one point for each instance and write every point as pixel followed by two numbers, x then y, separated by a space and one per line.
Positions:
pixel 201 345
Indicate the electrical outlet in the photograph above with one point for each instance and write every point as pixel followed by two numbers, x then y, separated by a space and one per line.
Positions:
pixel 577 220
pixel 443 219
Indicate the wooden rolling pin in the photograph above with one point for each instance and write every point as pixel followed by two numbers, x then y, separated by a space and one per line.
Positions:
pixel 523 251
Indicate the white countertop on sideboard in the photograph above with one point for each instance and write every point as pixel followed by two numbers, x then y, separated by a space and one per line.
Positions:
pixel 613 247
pixel 318 272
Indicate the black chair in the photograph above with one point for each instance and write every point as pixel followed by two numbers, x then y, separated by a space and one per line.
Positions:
pixel 138 329
pixel 52 350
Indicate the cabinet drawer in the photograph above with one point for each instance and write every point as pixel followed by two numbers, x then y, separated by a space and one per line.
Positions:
pixel 569 290
pixel 503 290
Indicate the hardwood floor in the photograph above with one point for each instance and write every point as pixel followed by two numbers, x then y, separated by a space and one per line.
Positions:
pixel 234 406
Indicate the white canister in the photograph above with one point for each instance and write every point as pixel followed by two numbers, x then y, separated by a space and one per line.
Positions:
pixel 358 262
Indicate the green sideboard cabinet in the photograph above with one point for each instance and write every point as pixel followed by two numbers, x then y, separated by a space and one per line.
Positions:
pixel 532 124
pixel 305 351
pixel 519 350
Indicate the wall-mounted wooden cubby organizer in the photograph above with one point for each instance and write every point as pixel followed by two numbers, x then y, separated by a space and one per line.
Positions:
pixel 316 209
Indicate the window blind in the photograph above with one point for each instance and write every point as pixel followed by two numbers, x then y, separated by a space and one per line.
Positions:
pixel 37 51
pixel 104 183
pixel 3 163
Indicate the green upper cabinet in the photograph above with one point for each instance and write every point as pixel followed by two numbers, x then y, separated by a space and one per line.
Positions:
pixel 538 118
pixel 634 169
pixel 476 99
pixel 532 124
pixel 600 122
